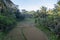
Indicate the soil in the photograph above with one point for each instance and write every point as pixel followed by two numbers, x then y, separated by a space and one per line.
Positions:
pixel 26 30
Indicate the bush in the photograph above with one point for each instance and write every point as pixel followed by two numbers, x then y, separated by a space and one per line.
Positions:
pixel 6 23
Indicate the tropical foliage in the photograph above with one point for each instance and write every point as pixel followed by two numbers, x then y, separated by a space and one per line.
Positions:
pixel 49 20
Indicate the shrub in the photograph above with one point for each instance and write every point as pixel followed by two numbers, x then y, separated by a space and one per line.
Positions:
pixel 6 23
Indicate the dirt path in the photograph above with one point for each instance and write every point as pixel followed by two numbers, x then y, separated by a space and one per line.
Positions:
pixel 26 31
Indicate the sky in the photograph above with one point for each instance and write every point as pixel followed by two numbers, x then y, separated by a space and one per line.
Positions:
pixel 34 4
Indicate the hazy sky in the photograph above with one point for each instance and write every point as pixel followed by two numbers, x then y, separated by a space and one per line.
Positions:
pixel 34 4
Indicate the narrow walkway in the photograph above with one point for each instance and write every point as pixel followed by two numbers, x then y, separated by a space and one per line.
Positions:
pixel 26 30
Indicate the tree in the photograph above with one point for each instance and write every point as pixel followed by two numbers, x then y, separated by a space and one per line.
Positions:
pixel 24 11
pixel 43 12
pixel 43 9
pixel 8 14
pixel 58 2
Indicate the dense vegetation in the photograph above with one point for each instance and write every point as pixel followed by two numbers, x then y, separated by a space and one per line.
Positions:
pixel 49 21
pixel 9 15
pixel 46 20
